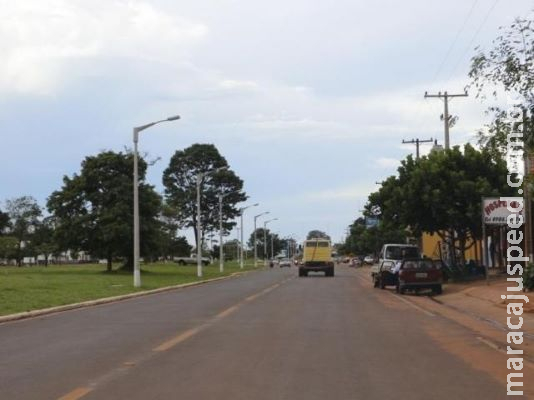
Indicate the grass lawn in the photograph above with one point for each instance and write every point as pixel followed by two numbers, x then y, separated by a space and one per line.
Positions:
pixel 32 288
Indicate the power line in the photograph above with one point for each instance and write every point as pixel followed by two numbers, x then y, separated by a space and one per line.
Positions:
pixel 458 33
pixel 468 47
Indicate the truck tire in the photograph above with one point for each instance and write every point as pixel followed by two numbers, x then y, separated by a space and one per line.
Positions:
pixel 329 272
pixel 181 262
pixel 437 289
pixel 302 272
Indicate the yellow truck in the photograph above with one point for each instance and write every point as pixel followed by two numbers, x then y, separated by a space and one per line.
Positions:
pixel 317 256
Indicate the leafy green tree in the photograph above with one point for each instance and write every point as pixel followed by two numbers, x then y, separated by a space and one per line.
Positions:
pixel 43 240
pixel 508 66
pixel 93 211
pixel 260 242
pixel 441 193
pixel 4 222
pixel 317 234
pixel 180 179
pixel 24 213
pixel 362 240
pixel 8 247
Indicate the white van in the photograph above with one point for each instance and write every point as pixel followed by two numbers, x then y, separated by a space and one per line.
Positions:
pixel 393 252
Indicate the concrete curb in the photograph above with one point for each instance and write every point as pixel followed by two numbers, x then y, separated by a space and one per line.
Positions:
pixel 107 300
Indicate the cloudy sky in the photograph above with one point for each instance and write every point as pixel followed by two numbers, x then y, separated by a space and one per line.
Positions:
pixel 309 101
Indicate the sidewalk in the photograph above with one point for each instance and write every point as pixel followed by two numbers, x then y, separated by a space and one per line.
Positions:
pixel 484 301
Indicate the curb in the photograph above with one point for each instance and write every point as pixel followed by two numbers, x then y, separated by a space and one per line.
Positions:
pixel 107 300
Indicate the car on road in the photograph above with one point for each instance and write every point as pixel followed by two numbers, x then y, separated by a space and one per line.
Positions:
pixel 418 274
pixel 284 262
pixel 369 260
pixel 191 260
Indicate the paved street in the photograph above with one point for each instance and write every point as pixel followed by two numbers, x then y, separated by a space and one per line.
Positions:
pixel 265 335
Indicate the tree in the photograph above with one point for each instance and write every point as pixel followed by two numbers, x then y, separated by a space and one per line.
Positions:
pixel 43 239
pixel 24 213
pixel 4 222
pixel 261 244
pixel 93 211
pixel 441 193
pixel 316 234
pixel 362 240
pixel 509 66
pixel 8 247
pixel 180 179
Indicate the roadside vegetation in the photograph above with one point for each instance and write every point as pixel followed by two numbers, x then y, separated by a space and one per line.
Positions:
pixel 31 288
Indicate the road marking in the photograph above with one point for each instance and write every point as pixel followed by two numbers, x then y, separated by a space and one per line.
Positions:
pixel 82 391
pixel 228 311
pixel 489 343
pixel 178 339
pixel 413 305
pixel 76 394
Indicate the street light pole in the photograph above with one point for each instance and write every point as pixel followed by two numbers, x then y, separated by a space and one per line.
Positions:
pixel 200 178
pixel 265 236
pixel 136 255
pixel 242 256
pixel 255 238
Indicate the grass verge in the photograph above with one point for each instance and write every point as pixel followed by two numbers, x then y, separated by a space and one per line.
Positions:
pixel 33 288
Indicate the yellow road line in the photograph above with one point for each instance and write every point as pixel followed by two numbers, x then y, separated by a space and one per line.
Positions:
pixel 178 339
pixel 76 394
pixel 228 311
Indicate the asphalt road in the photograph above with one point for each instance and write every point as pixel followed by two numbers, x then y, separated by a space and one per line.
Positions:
pixel 266 335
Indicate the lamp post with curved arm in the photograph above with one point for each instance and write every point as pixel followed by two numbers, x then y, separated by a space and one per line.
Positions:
pixel 136 255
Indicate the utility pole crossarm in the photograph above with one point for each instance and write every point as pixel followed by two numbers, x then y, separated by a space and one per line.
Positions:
pixel 446 118
pixel 417 142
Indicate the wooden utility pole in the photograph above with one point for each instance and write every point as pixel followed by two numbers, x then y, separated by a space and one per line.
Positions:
pixel 447 120
pixel 417 142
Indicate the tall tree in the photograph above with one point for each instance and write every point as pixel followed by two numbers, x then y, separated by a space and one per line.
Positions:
pixel 24 213
pixel 43 240
pixel 4 222
pixel 317 234
pixel 180 180
pixel 93 210
pixel 508 67
pixel 441 193
pixel 263 241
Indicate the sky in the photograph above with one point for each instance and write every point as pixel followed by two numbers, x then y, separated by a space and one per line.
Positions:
pixel 308 101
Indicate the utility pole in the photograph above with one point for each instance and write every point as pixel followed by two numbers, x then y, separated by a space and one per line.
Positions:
pixel 448 121
pixel 417 142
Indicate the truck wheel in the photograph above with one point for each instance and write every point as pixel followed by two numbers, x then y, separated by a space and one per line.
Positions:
pixel 437 289
pixel 381 284
pixel 375 282
pixel 181 262
pixel 302 273
pixel 402 290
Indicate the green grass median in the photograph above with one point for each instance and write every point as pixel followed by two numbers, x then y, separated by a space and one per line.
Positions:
pixel 33 288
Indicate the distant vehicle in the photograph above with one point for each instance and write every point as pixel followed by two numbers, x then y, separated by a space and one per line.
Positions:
pixel 369 260
pixel 191 260
pixel 284 262
pixel 417 274
pixel 317 256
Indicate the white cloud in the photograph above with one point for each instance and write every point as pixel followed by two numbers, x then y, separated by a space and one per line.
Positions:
pixel 38 39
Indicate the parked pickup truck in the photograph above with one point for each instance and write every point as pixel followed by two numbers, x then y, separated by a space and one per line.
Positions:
pixel 394 252
pixel 191 260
